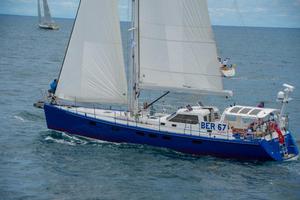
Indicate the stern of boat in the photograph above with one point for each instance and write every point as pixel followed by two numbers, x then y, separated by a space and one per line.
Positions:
pixel 281 152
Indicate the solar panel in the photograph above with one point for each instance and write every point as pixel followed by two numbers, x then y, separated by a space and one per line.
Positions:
pixel 245 111
pixel 235 109
pixel 255 112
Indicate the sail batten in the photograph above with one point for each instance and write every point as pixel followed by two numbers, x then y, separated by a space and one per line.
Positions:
pixel 177 46
pixel 93 69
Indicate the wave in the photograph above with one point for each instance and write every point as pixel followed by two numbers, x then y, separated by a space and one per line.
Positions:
pixel 28 116
pixel 64 138
pixel 19 118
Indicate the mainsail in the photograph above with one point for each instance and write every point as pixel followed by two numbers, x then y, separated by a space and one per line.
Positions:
pixel 177 47
pixel 44 14
pixel 47 15
pixel 93 68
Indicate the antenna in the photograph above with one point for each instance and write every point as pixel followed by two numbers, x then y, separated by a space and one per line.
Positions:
pixel 283 97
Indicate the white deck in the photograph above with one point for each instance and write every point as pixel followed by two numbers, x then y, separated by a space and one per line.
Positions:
pixel 153 123
pixel 121 117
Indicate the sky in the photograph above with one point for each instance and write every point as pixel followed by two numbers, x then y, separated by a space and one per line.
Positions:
pixel 261 13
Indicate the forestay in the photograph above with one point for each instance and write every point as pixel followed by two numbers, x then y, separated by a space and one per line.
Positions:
pixel 177 48
pixel 93 69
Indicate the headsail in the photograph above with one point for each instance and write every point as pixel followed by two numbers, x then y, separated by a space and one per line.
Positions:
pixel 177 47
pixel 93 69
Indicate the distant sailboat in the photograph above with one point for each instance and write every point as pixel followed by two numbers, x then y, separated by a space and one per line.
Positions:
pixel 173 50
pixel 45 20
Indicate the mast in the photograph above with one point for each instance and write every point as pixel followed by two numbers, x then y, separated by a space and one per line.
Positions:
pixel 135 59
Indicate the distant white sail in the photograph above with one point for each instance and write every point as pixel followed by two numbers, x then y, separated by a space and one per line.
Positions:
pixel 177 47
pixel 47 15
pixel 45 19
pixel 93 69
pixel 39 12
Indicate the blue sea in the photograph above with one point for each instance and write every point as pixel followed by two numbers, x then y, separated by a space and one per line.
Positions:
pixel 37 163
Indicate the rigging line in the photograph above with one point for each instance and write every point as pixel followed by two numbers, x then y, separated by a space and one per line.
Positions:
pixel 66 51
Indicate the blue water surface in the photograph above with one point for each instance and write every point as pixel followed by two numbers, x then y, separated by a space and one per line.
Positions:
pixel 37 163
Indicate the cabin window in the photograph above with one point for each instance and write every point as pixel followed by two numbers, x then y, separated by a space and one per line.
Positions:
pixel 186 119
pixel 197 142
pixel 113 128
pixel 216 116
pixel 207 118
pixel 166 137
pixel 162 123
pixel 151 135
pixel 140 133
pixel 92 123
pixel 230 118
pixel 174 125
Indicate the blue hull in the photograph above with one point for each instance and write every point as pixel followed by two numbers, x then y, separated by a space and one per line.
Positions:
pixel 62 120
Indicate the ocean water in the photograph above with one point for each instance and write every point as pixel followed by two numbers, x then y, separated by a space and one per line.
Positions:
pixel 37 163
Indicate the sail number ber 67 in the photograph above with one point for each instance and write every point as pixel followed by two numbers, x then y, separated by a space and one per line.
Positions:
pixel 213 126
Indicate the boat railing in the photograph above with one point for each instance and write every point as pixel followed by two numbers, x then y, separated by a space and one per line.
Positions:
pixel 119 117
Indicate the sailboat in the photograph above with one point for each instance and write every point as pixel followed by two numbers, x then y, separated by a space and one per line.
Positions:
pixel 173 50
pixel 46 21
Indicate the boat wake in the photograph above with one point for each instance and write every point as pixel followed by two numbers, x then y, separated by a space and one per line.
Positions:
pixel 64 138
pixel 19 118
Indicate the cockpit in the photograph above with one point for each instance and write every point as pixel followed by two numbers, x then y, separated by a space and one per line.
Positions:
pixel 250 119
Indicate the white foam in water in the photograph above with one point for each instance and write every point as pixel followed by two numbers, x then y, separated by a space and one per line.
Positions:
pixel 19 118
pixel 95 140
pixel 60 141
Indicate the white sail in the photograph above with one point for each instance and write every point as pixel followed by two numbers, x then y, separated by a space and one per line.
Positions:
pixel 47 15
pixel 93 69
pixel 177 47
pixel 39 11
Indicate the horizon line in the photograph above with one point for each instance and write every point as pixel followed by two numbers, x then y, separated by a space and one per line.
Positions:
pixel 224 25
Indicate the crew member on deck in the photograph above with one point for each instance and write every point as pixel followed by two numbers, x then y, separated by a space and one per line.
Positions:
pixel 53 86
